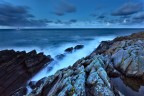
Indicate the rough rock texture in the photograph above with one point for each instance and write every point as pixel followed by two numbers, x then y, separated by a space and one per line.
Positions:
pixel 87 77
pixel 90 76
pixel 18 67
pixel 126 54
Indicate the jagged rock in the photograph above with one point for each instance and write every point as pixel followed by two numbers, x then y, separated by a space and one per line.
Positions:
pixel 16 68
pixel 78 80
pixel 89 76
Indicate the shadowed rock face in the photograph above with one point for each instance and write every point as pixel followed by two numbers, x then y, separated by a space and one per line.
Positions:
pixel 16 68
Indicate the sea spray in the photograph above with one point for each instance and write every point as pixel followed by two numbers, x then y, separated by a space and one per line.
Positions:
pixel 70 59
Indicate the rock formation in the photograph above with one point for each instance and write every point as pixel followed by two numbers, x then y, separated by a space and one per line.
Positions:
pixel 122 57
pixel 71 49
pixel 16 68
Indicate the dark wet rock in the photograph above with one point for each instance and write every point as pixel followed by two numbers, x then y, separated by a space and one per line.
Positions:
pixel 60 56
pixel 41 81
pixel 129 86
pixel 32 84
pixel 16 68
pixel 77 47
pixel 69 50
pixel 104 45
pixel 49 69
pixel 20 92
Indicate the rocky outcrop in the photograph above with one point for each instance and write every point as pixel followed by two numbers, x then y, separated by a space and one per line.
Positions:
pixel 16 68
pixel 122 57
pixel 90 76
pixel 87 77
pixel 126 54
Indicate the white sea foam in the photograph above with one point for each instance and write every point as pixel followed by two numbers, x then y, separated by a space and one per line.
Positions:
pixel 70 59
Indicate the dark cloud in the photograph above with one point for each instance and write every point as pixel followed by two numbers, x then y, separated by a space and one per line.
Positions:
pixel 59 22
pixel 69 8
pixel 101 17
pixel 93 14
pixel 69 22
pixel 11 15
pixel 59 13
pixel 73 21
pixel 63 8
pixel 128 9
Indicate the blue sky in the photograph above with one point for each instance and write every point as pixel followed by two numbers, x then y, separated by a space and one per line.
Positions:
pixel 72 13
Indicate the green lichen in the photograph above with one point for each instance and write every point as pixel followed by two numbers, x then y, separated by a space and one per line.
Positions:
pixel 72 91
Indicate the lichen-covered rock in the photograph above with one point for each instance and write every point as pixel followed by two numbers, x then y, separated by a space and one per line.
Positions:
pixel 81 79
pixel 126 54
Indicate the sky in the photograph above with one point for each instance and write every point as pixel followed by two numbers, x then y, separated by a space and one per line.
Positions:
pixel 72 13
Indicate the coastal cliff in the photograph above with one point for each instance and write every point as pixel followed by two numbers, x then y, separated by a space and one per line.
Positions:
pixel 121 58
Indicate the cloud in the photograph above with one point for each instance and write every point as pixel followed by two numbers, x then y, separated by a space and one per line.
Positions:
pixel 11 15
pixel 101 17
pixel 58 22
pixel 139 16
pixel 73 21
pixel 66 22
pixel 59 13
pixel 63 8
pixel 128 9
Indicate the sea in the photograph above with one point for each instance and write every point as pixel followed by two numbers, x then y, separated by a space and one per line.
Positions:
pixel 54 41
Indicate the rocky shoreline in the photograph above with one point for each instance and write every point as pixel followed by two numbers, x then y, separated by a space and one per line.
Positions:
pixel 18 67
pixel 121 58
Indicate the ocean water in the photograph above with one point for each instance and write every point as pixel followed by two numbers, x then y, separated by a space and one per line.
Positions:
pixel 54 41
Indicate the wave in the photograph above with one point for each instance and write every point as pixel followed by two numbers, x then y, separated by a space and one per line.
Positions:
pixel 69 59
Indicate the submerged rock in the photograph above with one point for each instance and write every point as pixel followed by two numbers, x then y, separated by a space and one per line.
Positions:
pixel 77 47
pixel 69 50
pixel 60 56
